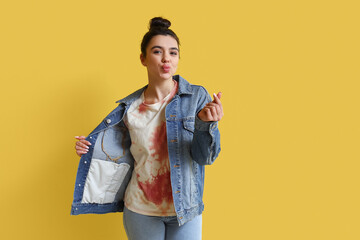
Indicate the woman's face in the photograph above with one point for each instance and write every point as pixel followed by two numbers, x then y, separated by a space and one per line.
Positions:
pixel 162 57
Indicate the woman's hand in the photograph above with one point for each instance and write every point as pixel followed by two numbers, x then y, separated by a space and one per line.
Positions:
pixel 81 145
pixel 212 111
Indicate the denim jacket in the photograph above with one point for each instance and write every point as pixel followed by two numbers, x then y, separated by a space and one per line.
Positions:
pixel 105 170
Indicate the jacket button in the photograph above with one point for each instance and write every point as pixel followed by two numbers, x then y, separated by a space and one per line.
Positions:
pixel 108 120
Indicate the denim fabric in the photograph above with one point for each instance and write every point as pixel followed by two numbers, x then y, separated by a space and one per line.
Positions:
pixel 142 227
pixel 104 172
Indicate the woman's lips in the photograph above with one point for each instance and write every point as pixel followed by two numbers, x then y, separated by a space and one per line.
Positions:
pixel 166 68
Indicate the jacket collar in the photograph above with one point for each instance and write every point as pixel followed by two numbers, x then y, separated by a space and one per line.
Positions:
pixel 184 88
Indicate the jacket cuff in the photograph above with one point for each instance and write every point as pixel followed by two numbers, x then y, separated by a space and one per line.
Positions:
pixel 204 126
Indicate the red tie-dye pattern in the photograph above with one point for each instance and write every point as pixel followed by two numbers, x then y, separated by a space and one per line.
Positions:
pixel 142 108
pixel 159 144
pixel 158 188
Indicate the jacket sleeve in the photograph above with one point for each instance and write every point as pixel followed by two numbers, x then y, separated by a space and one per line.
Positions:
pixel 205 146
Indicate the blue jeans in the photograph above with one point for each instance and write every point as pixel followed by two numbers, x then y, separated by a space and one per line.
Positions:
pixel 142 227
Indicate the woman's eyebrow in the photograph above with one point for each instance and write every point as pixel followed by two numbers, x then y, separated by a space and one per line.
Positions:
pixel 173 48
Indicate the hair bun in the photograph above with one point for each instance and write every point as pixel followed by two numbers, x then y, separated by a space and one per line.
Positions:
pixel 159 22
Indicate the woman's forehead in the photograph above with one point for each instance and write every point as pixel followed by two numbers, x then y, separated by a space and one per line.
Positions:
pixel 163 42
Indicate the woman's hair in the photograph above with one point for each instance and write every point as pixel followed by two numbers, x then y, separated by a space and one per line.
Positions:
pixel 157 26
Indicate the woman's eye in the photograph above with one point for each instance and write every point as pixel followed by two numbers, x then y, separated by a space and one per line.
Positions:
pixel 173 53
pixel 157 51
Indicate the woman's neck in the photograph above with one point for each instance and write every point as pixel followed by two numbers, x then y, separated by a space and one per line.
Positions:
pixel 157 90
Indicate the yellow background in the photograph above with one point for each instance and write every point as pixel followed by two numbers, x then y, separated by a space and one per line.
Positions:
pixel 289 73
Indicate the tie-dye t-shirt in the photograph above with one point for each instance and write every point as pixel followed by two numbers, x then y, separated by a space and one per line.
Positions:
pixel 149 191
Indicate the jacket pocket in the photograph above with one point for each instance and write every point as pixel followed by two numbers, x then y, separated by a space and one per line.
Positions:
pixel 114 141
pixel 189 124
pixel 103 182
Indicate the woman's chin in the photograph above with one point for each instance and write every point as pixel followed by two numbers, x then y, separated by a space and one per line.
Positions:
pixel 163 75
pixel 166 76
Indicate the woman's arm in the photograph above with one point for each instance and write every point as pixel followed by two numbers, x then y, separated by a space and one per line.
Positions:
pixel 206 141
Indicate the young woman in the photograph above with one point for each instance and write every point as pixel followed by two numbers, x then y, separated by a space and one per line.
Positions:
pixel 147 157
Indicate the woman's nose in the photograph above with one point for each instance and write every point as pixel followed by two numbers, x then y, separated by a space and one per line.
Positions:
pixel 166 57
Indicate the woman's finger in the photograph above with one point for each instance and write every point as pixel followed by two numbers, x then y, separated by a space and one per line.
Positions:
pixel 213 113
pixel 208 114
pixel 80 137
pixel 81 152
pixel 80 148
pixel 82 144
pixel 217 98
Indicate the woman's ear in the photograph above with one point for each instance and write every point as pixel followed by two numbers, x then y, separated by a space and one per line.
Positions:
pixel 142 59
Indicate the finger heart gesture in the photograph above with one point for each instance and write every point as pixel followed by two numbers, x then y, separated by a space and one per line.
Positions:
pixel 212 111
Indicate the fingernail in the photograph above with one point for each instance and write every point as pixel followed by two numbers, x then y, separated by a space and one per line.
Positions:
pixel 214 94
